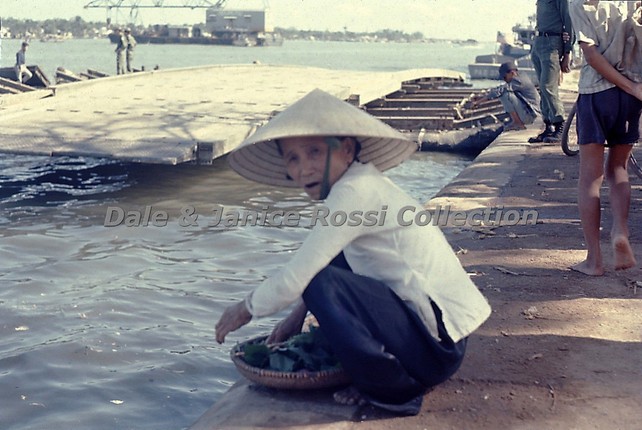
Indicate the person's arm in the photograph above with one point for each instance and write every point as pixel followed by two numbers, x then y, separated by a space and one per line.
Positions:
pixel 289 326
pixel 610 73
pixel 323 243
pixel 238 315
pixel 488 94
pixel 565 63
pixel 233 318
pixel 568 36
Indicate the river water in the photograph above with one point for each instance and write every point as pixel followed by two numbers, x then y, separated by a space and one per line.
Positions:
pixel 113 327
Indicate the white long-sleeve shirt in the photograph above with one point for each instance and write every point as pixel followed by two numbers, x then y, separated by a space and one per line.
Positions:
pixel 417 262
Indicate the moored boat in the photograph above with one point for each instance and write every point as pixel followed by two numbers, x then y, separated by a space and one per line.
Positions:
pixel 487 66
pixel 37 80
pixel 440 116
pixel 518 51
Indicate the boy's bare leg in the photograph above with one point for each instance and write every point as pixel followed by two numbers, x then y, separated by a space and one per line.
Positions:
pixel 620 198
pixel 591 178
pixel 623 253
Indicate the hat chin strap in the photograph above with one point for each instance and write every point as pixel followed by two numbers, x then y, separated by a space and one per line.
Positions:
pixel 333 143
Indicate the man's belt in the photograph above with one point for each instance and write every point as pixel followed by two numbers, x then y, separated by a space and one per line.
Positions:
pixel 547 34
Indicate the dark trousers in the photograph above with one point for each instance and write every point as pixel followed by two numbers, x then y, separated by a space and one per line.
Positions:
pixel 545 55
pixel 379 340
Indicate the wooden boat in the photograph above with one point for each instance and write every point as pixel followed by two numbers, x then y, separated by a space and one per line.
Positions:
pixel 487 66
pixel 439 114
pixel 9 83
pixel 468 141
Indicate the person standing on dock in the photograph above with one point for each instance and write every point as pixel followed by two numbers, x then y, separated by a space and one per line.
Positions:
pixel 608 116
pixel 391 296
pixel 518 95
pixel 131 44
pixel 121 48
pixel 23 74
pixel 551 56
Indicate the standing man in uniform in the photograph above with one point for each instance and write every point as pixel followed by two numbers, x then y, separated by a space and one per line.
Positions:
pixel 131 44
pixel 21 64
pixel 551 52
pixel 121 47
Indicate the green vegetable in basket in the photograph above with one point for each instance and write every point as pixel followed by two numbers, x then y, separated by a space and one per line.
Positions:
pixel 257 355
pixel 305 351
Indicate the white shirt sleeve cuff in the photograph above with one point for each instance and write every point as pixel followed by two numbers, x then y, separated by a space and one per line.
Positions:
pixel 248 303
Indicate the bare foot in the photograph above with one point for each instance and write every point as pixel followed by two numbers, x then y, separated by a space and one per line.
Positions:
pixel 588 269
pixel 349 396
pixel 513 126
pixel 622 252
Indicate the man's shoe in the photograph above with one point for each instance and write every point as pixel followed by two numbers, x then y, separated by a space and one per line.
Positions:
pixel 543 135
pixel 556 135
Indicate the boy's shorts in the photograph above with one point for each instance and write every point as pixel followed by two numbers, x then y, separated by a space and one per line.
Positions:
pixel 609 117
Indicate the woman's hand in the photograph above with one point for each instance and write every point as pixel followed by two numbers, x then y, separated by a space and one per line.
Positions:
pixel 289 326
pixel 233 318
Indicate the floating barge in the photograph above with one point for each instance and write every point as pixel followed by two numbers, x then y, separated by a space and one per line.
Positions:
pixel 173 116
pixel 166 116
pixel 222 27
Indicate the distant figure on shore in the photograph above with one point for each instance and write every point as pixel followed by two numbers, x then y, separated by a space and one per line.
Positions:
pixel 518 95
pixel 22 73
pixel 121 47
pixel 131 44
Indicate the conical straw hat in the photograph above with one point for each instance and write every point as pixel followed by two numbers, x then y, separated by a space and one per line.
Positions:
pixel 318 114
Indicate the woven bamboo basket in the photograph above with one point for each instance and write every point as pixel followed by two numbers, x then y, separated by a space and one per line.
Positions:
pixel 300 380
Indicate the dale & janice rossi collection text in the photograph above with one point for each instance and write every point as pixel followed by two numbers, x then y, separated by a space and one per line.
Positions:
pixel 218 216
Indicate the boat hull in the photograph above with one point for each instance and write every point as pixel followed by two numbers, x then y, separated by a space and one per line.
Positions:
pixel 37 80
pixel 487 67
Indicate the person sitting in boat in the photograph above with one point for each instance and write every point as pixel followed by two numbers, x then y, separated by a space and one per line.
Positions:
pixel 518 95
pixel 389 294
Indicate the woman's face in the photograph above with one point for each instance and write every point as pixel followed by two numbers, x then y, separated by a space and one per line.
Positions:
pixel 305 159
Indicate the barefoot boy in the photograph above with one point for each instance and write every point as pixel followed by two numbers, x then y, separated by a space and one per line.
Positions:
pixel 608 115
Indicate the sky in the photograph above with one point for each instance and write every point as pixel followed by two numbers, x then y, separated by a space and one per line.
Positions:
pixel 451 19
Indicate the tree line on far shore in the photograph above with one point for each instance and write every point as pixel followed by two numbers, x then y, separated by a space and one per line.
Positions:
pixel 75 27
pixel 79 28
